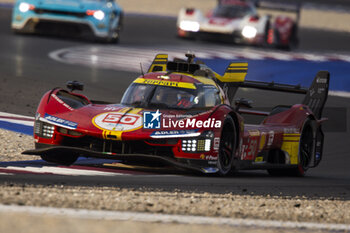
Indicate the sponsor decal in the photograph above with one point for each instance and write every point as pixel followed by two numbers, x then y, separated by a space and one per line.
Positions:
pixel 210 157
pixel 320 90
pixel 290 130
pixel 259 159
pixel 249 149
pixel 155 120
pixel 202 156
pixel 60 122
pixel 271 137
pixel 191 123
pixel 321 80
pixel 117 121
pixel 318 156
pixel 62 102
pixel 175 133
pixel 109 108
pixel 254 133
pixel 216 144
pixel 37 116
pixel 165 83
pixel 163 77
pixel 151 120
pixel 210 169
pixel 312 92
pixel 262 141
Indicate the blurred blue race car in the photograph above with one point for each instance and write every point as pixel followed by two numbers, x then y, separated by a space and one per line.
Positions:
pixel 101 19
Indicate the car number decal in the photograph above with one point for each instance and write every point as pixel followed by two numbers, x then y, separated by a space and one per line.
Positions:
pixel 117 121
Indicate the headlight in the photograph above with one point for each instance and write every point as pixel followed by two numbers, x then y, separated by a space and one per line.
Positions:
pixel 189 26
pixel 196 145
pixel 24 7
pixel 249 32
pixel 99 15
pixel 43 129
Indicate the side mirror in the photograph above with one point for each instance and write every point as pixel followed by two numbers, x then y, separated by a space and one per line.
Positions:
pixel 242 102
pixel 75 85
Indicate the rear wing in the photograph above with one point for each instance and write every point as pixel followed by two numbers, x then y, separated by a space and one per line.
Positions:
pixel 280 6
pixel 315 96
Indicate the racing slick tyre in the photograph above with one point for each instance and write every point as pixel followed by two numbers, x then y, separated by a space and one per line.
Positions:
pixel 115 37
pixel 293 41
pixel 306 150
pixel 227 148
pixel 59 159
pixel 115 33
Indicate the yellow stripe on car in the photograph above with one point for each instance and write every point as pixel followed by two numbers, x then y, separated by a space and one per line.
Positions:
pixel 290 144
pixel 165 83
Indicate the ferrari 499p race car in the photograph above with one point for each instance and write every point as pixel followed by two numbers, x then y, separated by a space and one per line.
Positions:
pixel 97 19
pixel 239 21
pixel 183 113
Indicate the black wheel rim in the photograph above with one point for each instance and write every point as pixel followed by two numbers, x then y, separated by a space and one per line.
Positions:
pixel 227 146
pixel 306 148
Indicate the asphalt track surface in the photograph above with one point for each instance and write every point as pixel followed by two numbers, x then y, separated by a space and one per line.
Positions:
pixel 26 72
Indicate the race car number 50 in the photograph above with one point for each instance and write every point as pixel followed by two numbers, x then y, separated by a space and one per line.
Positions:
pixel 119 118
pixel 117 121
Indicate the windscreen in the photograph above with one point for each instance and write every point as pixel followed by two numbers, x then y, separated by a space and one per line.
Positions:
pixel 233 11
pixel 164 97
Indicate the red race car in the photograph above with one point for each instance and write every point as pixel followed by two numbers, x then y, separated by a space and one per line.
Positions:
pixel 183 113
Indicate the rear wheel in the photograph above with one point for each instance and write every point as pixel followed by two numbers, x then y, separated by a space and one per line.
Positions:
pixel 60 159
pixel 306 151
pixel 293 41
pixel 227 147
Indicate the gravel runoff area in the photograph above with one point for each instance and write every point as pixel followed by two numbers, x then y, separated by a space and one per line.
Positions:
pixel 298 209
pixel 322 210
pixel 12 144
pixel 310 17
pixel 49 224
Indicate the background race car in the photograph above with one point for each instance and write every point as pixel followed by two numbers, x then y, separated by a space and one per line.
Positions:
pixel 101 20
pixel 183 113
pixel 239 21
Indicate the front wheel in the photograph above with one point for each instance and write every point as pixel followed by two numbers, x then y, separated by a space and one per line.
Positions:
pixel 227 147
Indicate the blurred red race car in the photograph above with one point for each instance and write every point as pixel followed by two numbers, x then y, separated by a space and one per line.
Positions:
pixel 239 21
pixel 183 113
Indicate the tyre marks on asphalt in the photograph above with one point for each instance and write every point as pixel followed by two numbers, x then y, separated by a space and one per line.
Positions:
pixel 129 58
pixel 265 65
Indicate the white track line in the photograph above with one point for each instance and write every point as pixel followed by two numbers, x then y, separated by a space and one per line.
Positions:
pixel 8 174
pixel 339 93
pixel 166 218
pixel 17 119
pixel 64 171
pixel 5 114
